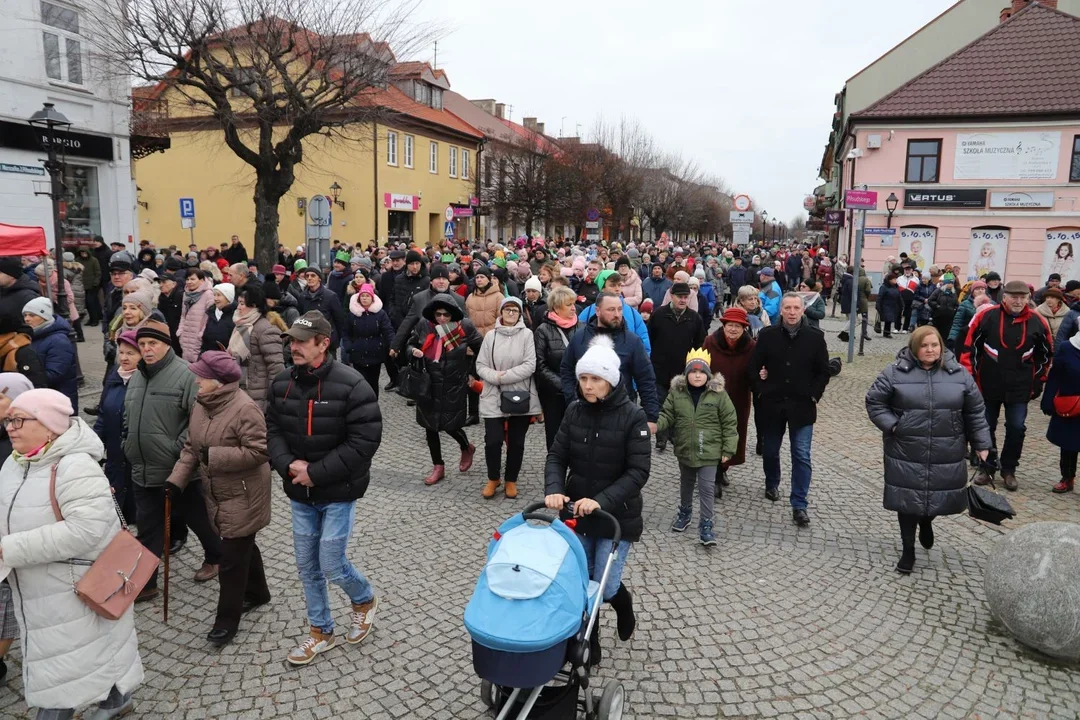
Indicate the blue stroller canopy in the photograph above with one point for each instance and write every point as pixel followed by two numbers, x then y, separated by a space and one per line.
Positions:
pixel 533 590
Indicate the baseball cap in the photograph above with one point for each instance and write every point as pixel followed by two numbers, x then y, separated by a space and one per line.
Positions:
pixel 309 325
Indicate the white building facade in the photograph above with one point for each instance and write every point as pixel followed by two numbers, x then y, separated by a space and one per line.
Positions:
pixel 49 57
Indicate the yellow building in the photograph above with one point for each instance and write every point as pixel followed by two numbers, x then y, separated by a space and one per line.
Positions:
pixel 393 180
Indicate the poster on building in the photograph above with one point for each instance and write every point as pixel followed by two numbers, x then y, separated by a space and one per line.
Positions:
pixel 988 251
pixel 919 244
pixel 1007 156
pixel 1059 256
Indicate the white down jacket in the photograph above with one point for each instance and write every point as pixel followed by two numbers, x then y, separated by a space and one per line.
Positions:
pixel 507 361
pixel 71 656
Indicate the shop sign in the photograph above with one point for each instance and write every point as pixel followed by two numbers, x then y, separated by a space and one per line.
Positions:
pixel 393 201
pixel 462 212
pixel 1022 199
pixel 22 169
pixel 1007 156
pixel 860 200
pixel 938 198
pixel 834 218
pixel 474 201
pixel 25 137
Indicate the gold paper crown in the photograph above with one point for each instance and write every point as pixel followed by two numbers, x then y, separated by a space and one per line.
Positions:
pixel 699 354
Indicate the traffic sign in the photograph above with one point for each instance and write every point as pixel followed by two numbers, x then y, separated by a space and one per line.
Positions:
pixel 319 211
pixel 592 224
pixel 742 216
pixel 448 229
pixel 187 207
pixel 741 237
pixel 592 215
pixel 448 213
pixel 742 203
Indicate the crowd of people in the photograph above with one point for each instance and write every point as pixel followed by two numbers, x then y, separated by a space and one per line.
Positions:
pixel 220 372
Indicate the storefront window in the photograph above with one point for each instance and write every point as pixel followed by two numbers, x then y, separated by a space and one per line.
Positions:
pixel 83 220
pixel 399 225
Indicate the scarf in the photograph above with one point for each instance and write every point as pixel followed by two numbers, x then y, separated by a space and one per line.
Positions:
pixel 43 327
pixel 240 340
pixel 126 375
pixel 564 323
pixel 192 297
pixel 450 335
pixel 793 331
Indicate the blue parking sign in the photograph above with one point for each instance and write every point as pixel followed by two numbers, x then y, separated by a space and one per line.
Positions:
pixel 187 208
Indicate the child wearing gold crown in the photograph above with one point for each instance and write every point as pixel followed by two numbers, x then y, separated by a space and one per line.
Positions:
pixel 704 427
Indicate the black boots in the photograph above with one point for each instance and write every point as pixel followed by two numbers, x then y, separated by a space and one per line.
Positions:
pixel 908 524
pixel 926 532
pixel 624 610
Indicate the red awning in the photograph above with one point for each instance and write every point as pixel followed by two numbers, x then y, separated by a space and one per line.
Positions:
pixel 19 240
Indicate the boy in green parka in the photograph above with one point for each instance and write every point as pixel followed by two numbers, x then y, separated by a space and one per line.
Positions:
pixel 704 428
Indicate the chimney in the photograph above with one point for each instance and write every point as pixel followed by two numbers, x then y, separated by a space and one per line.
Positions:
pixel 1018 5
pixel 487 106
pixel 540 128
pixel 529 123
pixel 500 110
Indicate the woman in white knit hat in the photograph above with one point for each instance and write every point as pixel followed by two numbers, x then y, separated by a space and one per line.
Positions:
pixel 601 458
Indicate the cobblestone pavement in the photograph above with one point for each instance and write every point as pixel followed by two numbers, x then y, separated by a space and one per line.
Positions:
pixel 773 622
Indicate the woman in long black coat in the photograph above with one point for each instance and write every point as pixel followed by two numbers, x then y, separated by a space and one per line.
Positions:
pixel 442 340
pixel 552 336
pixel 929 409
pixel 890 305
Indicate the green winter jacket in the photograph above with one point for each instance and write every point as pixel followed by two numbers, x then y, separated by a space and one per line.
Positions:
pixel 705 434
pixel 156 410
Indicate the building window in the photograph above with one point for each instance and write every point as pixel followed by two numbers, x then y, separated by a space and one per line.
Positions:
pixel 1074 172
pixel 245 81
pixel 453 161
pixel 83 219
pixel 399 225
pixel 391 148
pixel 433 158
pixel 923 161
pixel 63 45
pixel 436 98
pixel 422 93
pixel 409 141
pixel 464 164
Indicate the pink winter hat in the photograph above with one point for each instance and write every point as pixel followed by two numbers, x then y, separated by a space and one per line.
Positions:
pixel 367 288
pixel 49 407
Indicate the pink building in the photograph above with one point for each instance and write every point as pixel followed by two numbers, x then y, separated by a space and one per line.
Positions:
pixel 980 156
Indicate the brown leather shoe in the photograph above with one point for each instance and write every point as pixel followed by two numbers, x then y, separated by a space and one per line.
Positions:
pixel 147 594
pixel 489 489
pixel 467 458
pixel 982 478
pixel 1009 479
pixel 437 474
pixel 206 573
pixel 511 489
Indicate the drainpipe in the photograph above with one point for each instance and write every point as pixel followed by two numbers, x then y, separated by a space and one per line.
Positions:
pixel 375 140
pixel 479 176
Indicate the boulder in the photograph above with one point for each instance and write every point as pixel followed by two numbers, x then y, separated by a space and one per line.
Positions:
pixel 1032 584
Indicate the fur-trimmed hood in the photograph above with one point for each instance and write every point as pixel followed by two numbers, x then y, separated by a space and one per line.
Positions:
pixel 716 384
pixel 358 310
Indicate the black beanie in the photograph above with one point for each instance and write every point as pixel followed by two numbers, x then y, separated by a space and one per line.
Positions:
pixel 11 266
pixel 439 271
pixel 413 256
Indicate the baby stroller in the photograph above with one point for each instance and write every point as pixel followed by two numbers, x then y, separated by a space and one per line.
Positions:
pixel 532 613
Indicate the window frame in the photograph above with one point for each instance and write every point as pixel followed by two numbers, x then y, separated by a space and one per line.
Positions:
pixel 433 158
pixel 241 71
pixel 65 37
pixel 451 165
pixel 464 164
pixel 391 148
pixel 937 159
pixel 1074 166
pixel 409 151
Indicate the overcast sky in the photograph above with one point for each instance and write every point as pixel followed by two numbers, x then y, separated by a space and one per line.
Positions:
pixel 744 87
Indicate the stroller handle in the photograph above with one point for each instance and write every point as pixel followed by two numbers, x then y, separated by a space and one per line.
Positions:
pixel 530 513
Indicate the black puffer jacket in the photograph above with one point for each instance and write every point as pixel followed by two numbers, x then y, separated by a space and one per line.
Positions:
pixel 329 417
pixel 218 331
pixel 603 451
pixel 550 348
pixel 446 407
pixel 171 306
pixel 12 299
pixel 928 418
pixel 405 286
pixel 330 306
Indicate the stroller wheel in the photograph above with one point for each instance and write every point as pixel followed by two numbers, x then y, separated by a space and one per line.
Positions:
pixel 489 694
pixel 611 702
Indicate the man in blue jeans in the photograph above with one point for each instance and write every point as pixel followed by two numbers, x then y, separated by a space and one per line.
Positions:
pixel 323 427
pixel 789 371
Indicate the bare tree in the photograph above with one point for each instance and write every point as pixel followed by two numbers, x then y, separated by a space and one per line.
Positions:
pixel 269 74
pixel 619 152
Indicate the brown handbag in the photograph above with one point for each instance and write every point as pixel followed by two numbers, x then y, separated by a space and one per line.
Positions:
pixel 120 572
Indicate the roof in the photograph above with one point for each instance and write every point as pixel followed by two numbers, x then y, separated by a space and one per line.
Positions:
pixel 397 101
pixel 1028 65
pixel 417 69
pixel 531 135
pixel 477 117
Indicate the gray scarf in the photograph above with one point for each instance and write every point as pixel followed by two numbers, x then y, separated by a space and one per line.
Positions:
pixel 793 331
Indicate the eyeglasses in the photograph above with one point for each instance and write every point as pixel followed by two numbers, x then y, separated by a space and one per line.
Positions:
pixel 512 310
pixel 15 423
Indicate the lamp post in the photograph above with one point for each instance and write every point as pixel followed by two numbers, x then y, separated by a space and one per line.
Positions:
pixel 890 204
pixel 764 220
pixel 775 223
pixel 48 120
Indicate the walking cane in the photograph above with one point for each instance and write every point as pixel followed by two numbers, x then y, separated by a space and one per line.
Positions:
pixel 168 542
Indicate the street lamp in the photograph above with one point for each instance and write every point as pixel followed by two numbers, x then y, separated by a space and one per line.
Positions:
pixel 775 223
pixel 335 192
pixel 49 120
pixel 764 219
pixel 890 203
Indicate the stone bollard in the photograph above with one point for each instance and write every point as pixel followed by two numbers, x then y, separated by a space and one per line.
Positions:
pixel 1032 584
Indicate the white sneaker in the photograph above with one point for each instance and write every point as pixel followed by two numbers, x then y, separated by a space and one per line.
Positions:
pixel 314 644
pixel 363 619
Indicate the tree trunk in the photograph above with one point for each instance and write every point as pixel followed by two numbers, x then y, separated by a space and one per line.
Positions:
pixel 267 218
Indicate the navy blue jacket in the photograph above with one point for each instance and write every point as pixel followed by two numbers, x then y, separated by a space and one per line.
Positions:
pixel 737 276
pixel 1064 379
pixel 1068 328
pixel 57 353
pixel 636 366
pixel 109 426
pixel 368 335
pixel 655 290
pixel 329 305
pixel 336 282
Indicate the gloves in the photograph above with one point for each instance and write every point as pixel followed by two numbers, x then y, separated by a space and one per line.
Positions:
pixel 1036 390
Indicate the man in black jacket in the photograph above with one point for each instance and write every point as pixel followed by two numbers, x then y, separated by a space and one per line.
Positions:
pixel 16 289
pixel 789 371
pixel 439 284
pixel 412 281
pixel 674 330
pixel 1008 351
pixel 171 304
pixel 323 427
pixel 235 252
pixel 385 288
pixel 316 296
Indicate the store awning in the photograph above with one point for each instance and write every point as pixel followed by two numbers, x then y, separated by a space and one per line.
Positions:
pixel 20 240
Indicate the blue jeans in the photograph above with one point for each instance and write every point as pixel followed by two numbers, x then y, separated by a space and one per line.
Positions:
pixel 1015 430
pixel 320 536
pixel 800 438
pixel 597 551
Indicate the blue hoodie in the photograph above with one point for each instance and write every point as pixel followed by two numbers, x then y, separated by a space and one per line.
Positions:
pixel 770 296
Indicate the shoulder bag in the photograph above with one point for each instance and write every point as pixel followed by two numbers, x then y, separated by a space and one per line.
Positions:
pixel 511 402
pixel 1067 406
pixel 119 574
pixel 414 383
pixel 988 506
